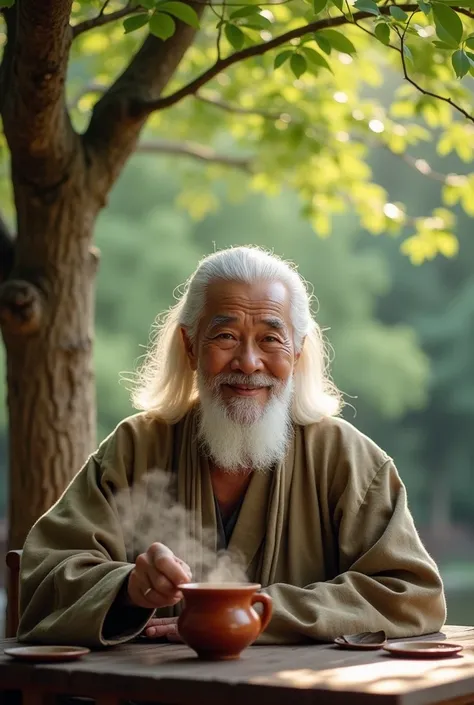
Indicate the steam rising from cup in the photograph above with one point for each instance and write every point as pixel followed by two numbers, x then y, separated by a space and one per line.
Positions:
pixel 150 512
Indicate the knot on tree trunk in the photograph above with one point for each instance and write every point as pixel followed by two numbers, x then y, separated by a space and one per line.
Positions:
pixel 21 307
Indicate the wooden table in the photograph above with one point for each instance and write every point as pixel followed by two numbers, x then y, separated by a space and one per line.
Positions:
pixel 278 675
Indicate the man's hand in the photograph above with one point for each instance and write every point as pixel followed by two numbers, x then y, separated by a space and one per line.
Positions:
pixel 163 627
pixel 154 581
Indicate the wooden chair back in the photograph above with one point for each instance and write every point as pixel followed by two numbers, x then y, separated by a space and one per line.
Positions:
pixel 13 593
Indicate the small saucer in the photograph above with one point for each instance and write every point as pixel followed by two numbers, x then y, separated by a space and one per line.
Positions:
pixel 423 649
pixel 47 653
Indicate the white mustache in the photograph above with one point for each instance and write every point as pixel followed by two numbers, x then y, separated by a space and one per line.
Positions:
pixel 234 378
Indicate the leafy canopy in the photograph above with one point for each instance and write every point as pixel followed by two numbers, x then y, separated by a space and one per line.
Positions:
pixel 297 93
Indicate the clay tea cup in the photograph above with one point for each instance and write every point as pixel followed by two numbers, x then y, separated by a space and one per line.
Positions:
pixel 218 620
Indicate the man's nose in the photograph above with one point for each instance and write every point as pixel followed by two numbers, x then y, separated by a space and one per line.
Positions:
pixel 247 360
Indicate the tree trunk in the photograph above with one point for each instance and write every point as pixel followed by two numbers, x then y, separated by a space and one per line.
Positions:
pixel 61 180
pixel 47 322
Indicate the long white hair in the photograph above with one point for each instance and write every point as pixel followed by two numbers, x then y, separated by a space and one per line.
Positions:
pixel 165 384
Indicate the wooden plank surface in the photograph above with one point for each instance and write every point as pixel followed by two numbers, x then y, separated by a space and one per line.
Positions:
pixel 282 675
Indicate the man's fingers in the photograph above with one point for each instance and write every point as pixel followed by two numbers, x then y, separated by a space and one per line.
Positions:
pixel 158 599
pixel 157 632
pixel 163 627
pixel 175 638
pixel 185 567
pixel 161 621
pixel 151 596
pixel 153 583
pixel 170 568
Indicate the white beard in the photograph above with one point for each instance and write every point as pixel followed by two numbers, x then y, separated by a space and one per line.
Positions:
pixel 242 435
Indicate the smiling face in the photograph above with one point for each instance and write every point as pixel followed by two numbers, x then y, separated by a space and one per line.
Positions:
pixel 244 348
pixel 244 357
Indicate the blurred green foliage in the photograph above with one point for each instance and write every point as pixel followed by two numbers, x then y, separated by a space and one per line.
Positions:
pixel 306 113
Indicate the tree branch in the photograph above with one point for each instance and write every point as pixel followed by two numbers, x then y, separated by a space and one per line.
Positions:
pixel 236 109
pixel 104 7
pixel 195 151
pixel 36 123
pixel 423 168
pixel 7 250
pixel 98 88
pixel 102 19
pixel 144 108
pixel 114 128
pixel 422 90
pixel 401 36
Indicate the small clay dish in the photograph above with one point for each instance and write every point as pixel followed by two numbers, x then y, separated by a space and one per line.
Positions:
pixel 47 653
pixel 423 649
pixel 366 641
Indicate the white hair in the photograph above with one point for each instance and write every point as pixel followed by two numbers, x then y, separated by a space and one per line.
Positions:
pixel 166 386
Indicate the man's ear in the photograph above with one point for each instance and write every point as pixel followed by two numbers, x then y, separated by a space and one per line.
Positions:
pixel 189 347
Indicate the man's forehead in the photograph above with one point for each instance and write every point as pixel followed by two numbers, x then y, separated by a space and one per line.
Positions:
pixel 228 302
pixel 263 295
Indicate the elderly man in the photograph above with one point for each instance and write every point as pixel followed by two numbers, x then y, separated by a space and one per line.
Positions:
pixel 238 407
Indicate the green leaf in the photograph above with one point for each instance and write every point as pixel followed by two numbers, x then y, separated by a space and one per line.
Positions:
pixel 470 42
pixel 162 26
pixel 245 12
pixel 7 3
pixel 398 14
pixel 130 24
pixel 471 62
pixel 148 4
pixel 448 24
pixel 282 57
pixel 339 4
pixel 181 11
pixel 315 58
pixel 460 62
pixel 338 41
pixel 257 22
pixel 235 36
pixel 298 65
pixel 319 5
pixel 459 3
pixel 424 6
pixel 382 32
pixel 323 43
pixel 367 6
pixel 443 45
pixel 407 54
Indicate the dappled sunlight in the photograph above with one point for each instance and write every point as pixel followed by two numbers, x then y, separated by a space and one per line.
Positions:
pixel 387 675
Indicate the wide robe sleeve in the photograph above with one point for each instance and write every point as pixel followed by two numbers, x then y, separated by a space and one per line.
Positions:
pixel 74 566
pixel 387 579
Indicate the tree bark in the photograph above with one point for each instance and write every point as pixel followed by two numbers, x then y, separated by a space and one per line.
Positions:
pixel 46 301
pixel 60 181
pixel 46 312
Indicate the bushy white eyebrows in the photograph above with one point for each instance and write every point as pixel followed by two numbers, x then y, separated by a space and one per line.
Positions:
pixel 272 322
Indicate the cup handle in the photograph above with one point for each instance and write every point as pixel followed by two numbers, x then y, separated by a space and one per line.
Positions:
pixel 266 602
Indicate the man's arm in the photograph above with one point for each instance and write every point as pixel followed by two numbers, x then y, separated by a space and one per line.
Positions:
pixel 74 567
pixel 387 580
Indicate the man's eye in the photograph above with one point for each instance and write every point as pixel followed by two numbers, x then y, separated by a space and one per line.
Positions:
pixel 225 336
pixel 270 339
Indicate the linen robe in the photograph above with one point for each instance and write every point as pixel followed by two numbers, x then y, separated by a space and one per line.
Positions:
pixel 327 533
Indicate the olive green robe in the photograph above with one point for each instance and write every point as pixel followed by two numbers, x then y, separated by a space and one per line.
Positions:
pixel 328 535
